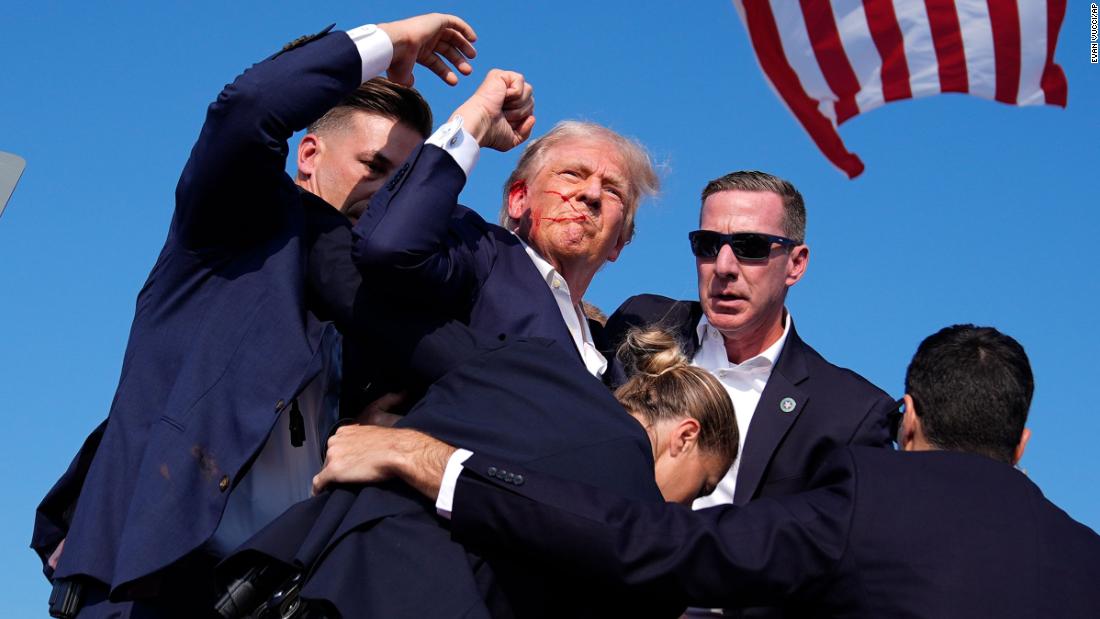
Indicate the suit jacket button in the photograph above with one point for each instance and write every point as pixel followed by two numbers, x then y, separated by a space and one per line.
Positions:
pixel 518 480
pixel 510 477
pixel 492 471
pixel 223 485
pixel 279 405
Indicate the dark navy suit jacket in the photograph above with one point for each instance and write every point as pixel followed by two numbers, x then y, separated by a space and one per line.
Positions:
pixel 833 406
pixel 382 551
pixel 417 238
pixel 934 535
pixel 224 335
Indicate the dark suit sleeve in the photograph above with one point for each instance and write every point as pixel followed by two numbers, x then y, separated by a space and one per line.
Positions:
pixel 767 552
pixel 55 513
pixel 234 182
pixel 410 233
pixel 876 428
pixel 418 342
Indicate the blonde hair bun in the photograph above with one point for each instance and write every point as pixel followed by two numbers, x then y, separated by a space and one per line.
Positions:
pixel 651 351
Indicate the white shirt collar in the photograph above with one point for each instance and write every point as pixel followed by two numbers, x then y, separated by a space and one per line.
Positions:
pixel 574 318
pixel 547 270
pixel 765 359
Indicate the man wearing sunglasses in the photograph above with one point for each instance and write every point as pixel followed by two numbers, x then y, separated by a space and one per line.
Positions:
pixel 792 405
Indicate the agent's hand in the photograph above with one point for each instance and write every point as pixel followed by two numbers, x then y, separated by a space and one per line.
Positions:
pixel 501 113
pixel 386 410
pixel 370 454
pixel 427 40
pixel 55 556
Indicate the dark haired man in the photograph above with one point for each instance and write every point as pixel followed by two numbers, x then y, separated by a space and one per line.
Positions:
pixel 227 388
pixel 951 381
pixel 947 528
pixel 348 152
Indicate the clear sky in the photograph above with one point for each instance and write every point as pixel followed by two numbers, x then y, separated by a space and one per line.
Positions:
pixel 969 211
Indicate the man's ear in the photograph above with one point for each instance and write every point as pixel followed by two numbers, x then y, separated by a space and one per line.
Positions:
pixel 308 149
pixel 797 262
pixel 615 251
pixel 1025 436
pixel 517 200
pixel 683 437
pixel 907 435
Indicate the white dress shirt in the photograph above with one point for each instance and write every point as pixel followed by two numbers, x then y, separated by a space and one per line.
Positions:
pixel 571 313
pixel 744 382
pixel 282 473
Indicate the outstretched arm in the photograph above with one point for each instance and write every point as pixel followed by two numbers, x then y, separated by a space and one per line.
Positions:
pixel 234 178
pixel 406 230
pixel 767 552
pixel 878 427
pixel 361 454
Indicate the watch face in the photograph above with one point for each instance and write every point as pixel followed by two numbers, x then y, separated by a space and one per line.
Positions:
pixel 11 168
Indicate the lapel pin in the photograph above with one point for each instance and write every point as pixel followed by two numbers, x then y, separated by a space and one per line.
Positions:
pixel 787 405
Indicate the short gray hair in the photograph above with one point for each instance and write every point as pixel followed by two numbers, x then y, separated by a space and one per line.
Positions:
pixel 794 209
pixel 641 177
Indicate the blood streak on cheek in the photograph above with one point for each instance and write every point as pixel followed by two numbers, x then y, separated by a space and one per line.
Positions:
pixel 580 216
pixel 536 220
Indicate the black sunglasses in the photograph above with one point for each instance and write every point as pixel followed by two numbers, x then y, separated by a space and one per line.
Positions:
pixel 745 245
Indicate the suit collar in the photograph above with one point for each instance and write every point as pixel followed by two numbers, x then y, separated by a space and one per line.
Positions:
pixel 792 360
pixel 548 314
pixel 712 349
pixel 569 310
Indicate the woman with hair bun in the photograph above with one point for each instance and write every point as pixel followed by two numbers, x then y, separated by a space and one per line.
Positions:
pixel 685 411
pixel 525 400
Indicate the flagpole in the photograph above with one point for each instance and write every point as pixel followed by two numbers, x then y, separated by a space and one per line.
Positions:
pixel 11 168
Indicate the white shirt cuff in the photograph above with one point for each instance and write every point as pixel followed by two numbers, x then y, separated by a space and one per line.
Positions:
pixel 375 49
pixel 446 499
pixel 458 143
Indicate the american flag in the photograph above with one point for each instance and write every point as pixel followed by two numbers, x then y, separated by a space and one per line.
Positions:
pixel 831 60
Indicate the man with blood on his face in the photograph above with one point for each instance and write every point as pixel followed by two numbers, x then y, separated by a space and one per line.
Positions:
pixel 568 209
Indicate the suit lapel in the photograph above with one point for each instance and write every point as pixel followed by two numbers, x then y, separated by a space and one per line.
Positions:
pixel 781 402
pixel 547 311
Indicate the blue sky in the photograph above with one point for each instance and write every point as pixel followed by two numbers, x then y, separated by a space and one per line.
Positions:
pixel 969 211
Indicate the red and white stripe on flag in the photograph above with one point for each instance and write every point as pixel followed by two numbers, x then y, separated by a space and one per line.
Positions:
pixel 830 60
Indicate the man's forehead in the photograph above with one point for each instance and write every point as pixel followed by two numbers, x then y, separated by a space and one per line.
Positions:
pixel 384 135
pixel 742 210
pixel 589 150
